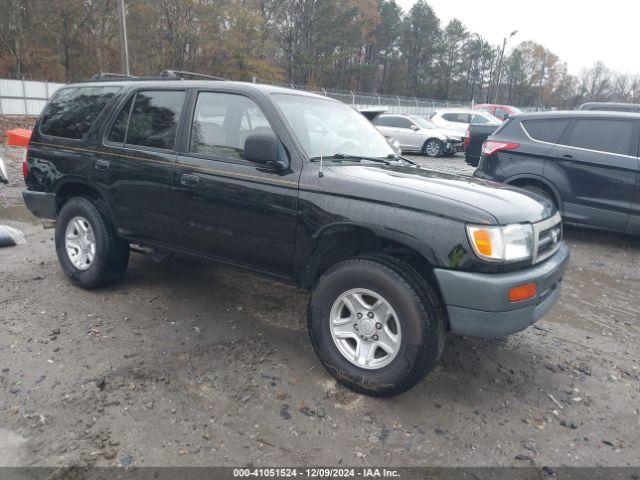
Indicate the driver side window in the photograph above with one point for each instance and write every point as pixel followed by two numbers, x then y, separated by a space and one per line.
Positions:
pixel 222 122
pixel 403 123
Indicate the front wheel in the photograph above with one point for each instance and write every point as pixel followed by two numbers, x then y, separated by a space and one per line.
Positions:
pixel 376 325
pixel 89 251
pixel 432 148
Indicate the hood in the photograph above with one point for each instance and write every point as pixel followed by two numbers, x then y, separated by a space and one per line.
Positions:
pixel 503 203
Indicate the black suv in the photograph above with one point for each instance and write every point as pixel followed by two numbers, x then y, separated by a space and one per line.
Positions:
pixel 304 189
pixel 585 162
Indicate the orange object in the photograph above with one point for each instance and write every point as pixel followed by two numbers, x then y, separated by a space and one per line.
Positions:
pixel 483 242
pixel 523 292
pixel 18 137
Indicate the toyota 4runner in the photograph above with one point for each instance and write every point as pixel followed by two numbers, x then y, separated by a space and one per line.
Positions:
pixel 304 189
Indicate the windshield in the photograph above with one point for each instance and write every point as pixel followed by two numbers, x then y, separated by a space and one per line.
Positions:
pixel 486 118
pixel 423 123
pixel 328 128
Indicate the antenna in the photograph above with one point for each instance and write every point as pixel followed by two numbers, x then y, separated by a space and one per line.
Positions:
pixel 321 173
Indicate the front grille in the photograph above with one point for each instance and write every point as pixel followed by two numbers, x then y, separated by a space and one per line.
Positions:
pixel 547 235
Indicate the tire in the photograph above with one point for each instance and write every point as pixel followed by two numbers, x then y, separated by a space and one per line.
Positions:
pixel 432 148
pixel 110 253
pixel 417 309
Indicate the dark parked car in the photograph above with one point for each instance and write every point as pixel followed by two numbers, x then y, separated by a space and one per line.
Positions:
pixel 585 162
pixel 303 189
pixel 610 107
pixel 473 141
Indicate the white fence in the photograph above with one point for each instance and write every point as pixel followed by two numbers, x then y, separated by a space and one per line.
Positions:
pixel 25 97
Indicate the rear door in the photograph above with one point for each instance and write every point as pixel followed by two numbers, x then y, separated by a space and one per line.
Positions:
pixel 597 159
pixel 135 166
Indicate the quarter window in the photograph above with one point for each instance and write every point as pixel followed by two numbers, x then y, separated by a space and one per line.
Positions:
pixel 548 131
pixel 73 111
pixel 604 135
pixel 119 129
pixel 222 122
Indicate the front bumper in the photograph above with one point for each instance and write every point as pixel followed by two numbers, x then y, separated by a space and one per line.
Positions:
pixel 478 303
pixel 453 146
pixel 41 204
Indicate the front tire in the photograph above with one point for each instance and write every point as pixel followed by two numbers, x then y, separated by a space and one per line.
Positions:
pixel 433 148
pixel 376 325
pixel 89 251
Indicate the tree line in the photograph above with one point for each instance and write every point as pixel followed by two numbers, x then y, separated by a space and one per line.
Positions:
pixel 358 45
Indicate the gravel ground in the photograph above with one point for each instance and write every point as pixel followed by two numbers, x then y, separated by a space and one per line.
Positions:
pixel 190 364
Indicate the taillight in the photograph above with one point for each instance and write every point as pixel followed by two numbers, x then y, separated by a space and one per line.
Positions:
pixel 491 147
pixel 466 139
pixel 25 168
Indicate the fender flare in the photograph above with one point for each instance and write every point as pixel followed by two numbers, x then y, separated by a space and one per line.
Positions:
pixel 537 178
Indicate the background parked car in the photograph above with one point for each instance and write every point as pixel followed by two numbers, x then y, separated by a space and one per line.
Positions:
pixel 610 107
pixel 417 134
pixel 585 162
pixel 473 140
pixel 501 112
pixel 459 120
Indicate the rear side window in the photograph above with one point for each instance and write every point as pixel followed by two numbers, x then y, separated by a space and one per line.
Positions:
pixel 604 135
pixel 73 111
pixel 384 121
pixel 152 121
pixel 457 117
pixel 549 131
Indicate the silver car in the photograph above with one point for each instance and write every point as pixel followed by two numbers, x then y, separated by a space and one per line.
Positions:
pixel 417 134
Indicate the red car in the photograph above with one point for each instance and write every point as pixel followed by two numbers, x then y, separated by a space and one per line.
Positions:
pixel 501 111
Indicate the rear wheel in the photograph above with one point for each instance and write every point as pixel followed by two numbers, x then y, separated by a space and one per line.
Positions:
pixel 376 325
pixel 432 148
pixel 89 251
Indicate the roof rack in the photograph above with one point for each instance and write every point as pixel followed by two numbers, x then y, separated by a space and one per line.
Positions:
pixel 108 76
pixel 180 74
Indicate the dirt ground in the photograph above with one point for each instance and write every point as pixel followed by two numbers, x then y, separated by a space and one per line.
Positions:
pixel 189 364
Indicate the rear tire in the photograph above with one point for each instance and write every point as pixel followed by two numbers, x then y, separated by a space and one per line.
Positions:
pixel 89 251
pixel 420 328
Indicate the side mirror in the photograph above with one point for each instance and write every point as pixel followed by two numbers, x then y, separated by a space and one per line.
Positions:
pixel 415 127
pixel 263 148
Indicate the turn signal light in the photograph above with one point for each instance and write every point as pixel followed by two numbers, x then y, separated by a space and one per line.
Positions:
pixel 482 240
pixel 522 292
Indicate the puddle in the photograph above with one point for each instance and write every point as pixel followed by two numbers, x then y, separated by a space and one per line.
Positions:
pixel 10 444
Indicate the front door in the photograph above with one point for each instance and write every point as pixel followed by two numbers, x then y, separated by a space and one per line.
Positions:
pixel 598 157
pixel 234 210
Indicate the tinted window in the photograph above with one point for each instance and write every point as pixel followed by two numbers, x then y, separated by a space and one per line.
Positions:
pixel 74 110
pixel 457 117
pixel 500 113
pixel 384 121
pixel 479 120
pixel 403 122
pixel 154 119
pixel 546 130
pixel 605 135
pixel 222 122
pixel 119 128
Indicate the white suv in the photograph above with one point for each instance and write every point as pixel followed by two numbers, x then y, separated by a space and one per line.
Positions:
pixel 459 120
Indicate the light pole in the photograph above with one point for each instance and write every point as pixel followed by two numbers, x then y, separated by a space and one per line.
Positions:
pixel 504 45
pixel 124 48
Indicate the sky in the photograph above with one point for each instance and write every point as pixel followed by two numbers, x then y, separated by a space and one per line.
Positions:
pixel 580 32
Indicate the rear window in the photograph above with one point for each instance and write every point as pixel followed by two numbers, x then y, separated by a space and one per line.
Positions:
pixel 548 131
pixel 604 135
pixel 152 121
pixel 73 111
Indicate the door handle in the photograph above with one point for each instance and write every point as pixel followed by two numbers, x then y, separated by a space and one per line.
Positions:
pixel 102 165
pixel 567 158
pixel 189 180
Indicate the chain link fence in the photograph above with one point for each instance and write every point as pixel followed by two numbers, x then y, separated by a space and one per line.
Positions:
pixel 392 104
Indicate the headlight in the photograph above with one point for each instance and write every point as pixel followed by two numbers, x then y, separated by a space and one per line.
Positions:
pixel 510 243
